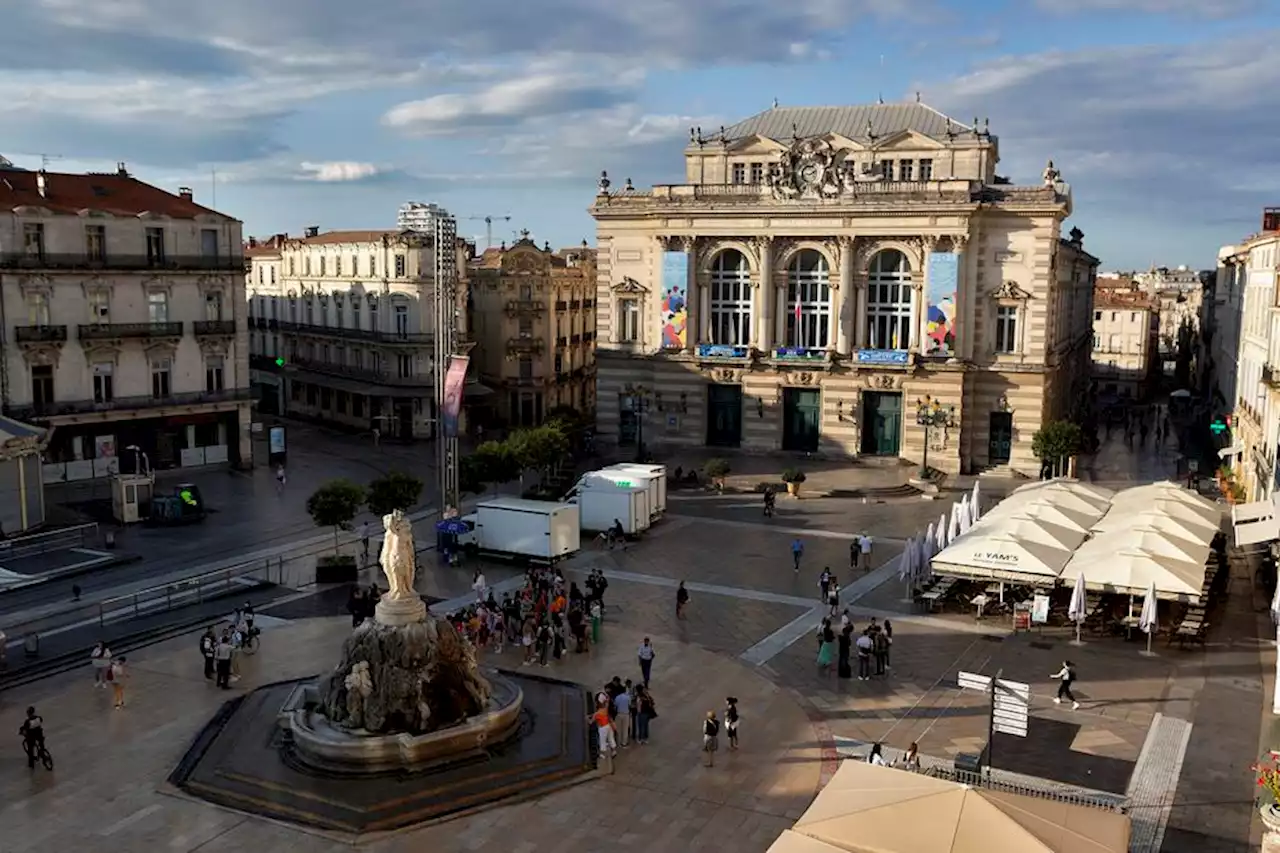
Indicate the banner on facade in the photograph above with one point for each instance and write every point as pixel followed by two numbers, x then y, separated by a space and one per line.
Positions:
pixel 943 275
pixel 675 300
pixel 455 380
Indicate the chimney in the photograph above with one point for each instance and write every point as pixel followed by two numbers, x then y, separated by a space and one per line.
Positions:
pixel 253 242
pixel 42 183
pixel 121 170
pixel 313 231
pixel 185 193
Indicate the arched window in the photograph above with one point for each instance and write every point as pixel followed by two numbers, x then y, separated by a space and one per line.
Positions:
pixel 808 300
pixel 730 299
pixel 890 300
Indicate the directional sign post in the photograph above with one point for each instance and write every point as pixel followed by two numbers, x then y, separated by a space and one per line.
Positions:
pixel 1009 705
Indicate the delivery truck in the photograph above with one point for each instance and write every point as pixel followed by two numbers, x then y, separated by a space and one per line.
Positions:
pixel 655 475
pixel 523 530
pixel 601 506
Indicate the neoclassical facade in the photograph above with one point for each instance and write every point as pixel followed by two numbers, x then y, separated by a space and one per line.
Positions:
pixel 821 273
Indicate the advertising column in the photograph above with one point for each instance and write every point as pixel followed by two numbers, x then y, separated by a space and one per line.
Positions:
pixel 942 270
pixel 675 300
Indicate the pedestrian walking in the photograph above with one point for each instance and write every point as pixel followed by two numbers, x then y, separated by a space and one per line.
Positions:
pixel 731 721
pixel 597 613
pixel 710 738
pixel 118 675
pixel 280 479
pixel 826 646
pixel 887 628
pixel 646 710
pixel 833 597
pixel 865 646
pixel 1066 677
pixel 646 654
pixel 824 584
pixel 365 532
pixel 222 661
pixel 480 586
pixel 855 551
pixel 797 551
pixel 208 643
pixel 880 649
pixel 682 600
pixel 100 657
pixel 845 643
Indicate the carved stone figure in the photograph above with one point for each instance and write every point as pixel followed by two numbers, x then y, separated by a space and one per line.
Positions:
pixel 397 557
pixel 1051 175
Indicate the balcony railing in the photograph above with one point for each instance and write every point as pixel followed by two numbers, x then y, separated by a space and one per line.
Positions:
pixel 575 339
pixel 575 305
pixel 530 345
pixel 88 261
pixel 404 338
pixel 264 323
pixel 951 189
pixel 205 328
pixel 588 336
pixel 363 374
pixel 41 411
pixel 524 381
pixel 526 306
pixel 40 334
pixel 562 305
pixel 562 341
pixel 110 331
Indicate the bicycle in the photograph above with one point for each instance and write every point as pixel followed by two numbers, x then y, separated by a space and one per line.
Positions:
pixel 43 753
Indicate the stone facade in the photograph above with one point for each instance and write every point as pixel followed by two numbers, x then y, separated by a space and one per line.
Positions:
pixel 795 315
pixel 533 321
pixel 124 323
pixel 1125 342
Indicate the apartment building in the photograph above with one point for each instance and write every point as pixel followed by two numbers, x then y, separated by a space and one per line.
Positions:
pixel 844 281
pixel 533 321
pixel 343 326
pixel 1126 329
pixel 123 319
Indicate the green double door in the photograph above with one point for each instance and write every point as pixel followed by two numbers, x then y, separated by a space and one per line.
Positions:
pixel 801 416
pixel 724 415
pixel 881 423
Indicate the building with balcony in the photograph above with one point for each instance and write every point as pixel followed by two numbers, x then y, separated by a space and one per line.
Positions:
pixel 123 322
pixel 823 271
pixel 1126 329
pixel 342 326
pixel 1250 272
pixel 533 321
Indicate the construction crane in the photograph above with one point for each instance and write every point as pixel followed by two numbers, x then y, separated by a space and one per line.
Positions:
pixel 488 226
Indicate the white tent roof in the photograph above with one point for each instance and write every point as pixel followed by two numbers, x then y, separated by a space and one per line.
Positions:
pixel 1165 491
pixel 1183 516
pixel 998 552
pixel 1179 546
pixel 1130 571
pixel 1065 489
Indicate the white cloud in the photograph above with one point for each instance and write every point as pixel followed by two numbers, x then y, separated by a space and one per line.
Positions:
pixel 337 171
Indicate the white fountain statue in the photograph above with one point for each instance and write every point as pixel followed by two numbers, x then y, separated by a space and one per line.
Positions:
pixel 401 604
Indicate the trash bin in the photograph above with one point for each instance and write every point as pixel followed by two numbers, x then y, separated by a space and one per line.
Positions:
pixel 968 762
pixel 31 645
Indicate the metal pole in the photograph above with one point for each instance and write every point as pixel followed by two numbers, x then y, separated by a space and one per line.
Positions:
pixel 924 466
pixel 445 291
pixel 991 723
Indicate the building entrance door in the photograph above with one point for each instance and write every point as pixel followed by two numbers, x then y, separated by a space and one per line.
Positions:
pixel 881 423
pixel 801 410
pixel 724 415
pixel 1000 442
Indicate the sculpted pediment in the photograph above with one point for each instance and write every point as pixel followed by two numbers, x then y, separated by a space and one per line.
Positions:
pixel 756 145
pixel 1010 290
pixel 909 139
pixel 629 285
pixel 845 144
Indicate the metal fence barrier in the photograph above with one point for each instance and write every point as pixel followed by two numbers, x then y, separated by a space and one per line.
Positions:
pixel 79 536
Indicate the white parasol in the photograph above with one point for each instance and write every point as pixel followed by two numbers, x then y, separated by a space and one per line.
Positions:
pixel 1147 621
pixel 1078 610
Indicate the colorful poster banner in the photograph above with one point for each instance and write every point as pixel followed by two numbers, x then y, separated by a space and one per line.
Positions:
pixel 943 276
pixel 455 380
pixel 675 300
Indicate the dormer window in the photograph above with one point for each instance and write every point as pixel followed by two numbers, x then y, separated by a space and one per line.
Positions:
pixel 906 169
pixel 926 170
pixel 757 173
pixel 739 173
pixel 886 169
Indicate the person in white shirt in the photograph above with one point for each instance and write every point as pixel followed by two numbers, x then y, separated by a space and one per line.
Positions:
pixel 877 756
pixel 646 654
pixel 479 585
pixel 101 659
pixel 1066 677
pixel 864 545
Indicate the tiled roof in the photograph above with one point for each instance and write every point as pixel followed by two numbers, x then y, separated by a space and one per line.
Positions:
pixel 1110 298
pixel 330 237
pixel 116 194
pixel 782 123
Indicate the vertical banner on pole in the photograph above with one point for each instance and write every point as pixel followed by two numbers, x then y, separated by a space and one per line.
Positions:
pixel 675 300
pixel 943 276
pixel 455 381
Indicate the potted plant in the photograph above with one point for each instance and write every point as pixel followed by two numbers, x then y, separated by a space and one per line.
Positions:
pixel 334 505
pixel 716 470
pixel 793 477
pixel 1268 779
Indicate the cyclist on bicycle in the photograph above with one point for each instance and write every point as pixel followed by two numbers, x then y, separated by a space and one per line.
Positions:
pixel 32 731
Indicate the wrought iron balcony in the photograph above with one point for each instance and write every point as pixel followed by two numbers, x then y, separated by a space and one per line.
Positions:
pixel 62 408
pixel 73 261
pixel 575 305
pixel 40 334
pixel 526 345
pixel 562 305
pixel 402 338
pixel 526 306
pixel 264 323
pixel 562 341
pixel 575 339
pixel 524 381
pixel 374 376
pixel 111 331
pixel 206 328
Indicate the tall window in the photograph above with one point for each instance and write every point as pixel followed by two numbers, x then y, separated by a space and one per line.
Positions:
pixel 160 378
pixel 209 242
pixel 1007 328
pixel 157 307
pixel 730 299
pixel 355 311
pixel 808 300
pixel 99 306
pixel 402 320
pixel 155 246
pixel 628 330
pixel 42 385
pixel 38 309
pixel 213 374
pixel 213 305
pixel 104 388
pixel 95 242
pixel 889 301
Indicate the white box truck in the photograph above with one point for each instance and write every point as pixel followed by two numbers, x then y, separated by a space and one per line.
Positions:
pixel 655 474
pixel 512 528
pixel 601 502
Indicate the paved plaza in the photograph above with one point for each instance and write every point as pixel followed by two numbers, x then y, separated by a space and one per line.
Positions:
pixel 1175 732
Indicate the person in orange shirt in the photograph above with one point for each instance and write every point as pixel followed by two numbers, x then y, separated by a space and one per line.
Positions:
pixel 604 728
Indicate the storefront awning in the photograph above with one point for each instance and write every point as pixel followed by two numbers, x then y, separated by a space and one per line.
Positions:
pixel 1255 523
pixel 1234 450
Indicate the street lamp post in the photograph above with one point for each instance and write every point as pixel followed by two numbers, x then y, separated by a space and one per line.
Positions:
pixel 931 414
pixel 639 396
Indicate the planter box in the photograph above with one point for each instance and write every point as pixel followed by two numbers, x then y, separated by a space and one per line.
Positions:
pixel 333 569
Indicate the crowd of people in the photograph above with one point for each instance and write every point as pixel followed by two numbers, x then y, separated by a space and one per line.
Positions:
pixel 838 644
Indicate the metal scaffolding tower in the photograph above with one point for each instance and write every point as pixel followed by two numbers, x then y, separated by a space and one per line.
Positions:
pixel 445 230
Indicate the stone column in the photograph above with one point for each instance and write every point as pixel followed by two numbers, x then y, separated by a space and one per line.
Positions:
pixel 780 315
pixel 846 299
pixel 704 314
pixel 764 296
pixel 694 317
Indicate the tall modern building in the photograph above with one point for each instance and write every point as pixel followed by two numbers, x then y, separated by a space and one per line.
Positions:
pixel 344 321
pixel 846 281
pixel 124 323
pixel 421 216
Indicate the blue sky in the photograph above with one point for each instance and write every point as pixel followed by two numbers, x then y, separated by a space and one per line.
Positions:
pixel 1162 114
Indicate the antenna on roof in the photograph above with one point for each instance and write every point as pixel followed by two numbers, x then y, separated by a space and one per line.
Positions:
pixel 213 179
pixel 917 96
pixel 775 103
pixel 880 82
pixel 45 159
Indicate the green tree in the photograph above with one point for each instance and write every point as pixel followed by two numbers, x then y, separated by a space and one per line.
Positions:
pixel 334 505
pixel 470 476
pixel 539 448
pixel 494 462
pixel 392 491
pixel 1055 442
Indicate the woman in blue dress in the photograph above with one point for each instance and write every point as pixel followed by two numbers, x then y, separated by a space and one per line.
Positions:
pixel 827 650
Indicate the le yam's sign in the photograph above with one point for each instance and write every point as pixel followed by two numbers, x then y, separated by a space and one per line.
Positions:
pixel 996 557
